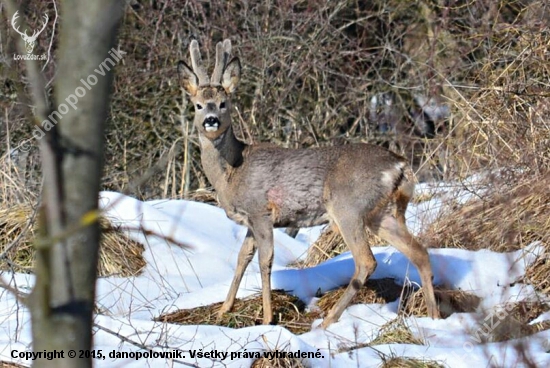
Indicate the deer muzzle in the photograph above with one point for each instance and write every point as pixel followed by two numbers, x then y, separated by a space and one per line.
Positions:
pixel 211 124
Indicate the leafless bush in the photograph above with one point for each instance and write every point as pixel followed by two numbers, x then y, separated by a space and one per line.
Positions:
pixel 311 70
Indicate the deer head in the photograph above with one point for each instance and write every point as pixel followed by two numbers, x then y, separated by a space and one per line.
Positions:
pixel 210 96
pixel 30 41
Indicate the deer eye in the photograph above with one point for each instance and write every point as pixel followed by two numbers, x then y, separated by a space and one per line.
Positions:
pixel 198 106
pixel 222 105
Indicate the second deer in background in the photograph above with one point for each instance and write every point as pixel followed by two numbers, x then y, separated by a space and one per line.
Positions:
pixel 356 187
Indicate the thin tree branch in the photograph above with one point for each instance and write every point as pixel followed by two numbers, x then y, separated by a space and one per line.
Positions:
pixel 139 345
pixel 49 53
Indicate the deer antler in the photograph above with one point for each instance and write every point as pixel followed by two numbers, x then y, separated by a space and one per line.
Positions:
pixel 13 20
pixel 223 52
pixel 24 34
pixel 196 63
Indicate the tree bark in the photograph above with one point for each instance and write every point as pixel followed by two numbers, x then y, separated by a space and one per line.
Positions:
pixel 62 300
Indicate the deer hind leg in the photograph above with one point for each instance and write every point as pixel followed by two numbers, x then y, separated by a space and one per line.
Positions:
pixel 352 228
pixel 392 228
pixel 246 253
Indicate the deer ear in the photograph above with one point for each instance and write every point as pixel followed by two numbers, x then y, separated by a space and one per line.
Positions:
pixel 231 75
pixel 188 79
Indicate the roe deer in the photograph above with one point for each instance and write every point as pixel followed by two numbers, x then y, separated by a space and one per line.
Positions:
pixel 355 186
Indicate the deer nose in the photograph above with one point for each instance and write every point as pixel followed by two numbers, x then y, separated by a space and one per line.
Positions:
pixel 211 124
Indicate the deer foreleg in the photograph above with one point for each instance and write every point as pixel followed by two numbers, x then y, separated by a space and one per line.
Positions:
pixel 248 249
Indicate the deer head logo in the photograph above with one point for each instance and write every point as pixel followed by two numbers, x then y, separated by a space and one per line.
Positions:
pixel 30 41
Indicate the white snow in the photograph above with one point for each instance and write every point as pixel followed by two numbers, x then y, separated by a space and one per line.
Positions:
pixel 199 270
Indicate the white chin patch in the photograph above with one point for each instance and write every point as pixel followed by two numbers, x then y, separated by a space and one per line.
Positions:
pixel 211 128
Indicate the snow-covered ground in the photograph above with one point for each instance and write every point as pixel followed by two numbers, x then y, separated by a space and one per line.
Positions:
pixel 177 277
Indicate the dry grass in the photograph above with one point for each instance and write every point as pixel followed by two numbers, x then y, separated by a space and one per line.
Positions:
pixel 512 215
pixel 412 301
pixel 538 274
pixel 310 69
pixel 508 218
pixel 395 332
pixel 11 365
pixel 517 322
pixel 278 363
pixel 118 254
pixel 449 302
pixel 398 362
pixel 329 245
pixel 375 291
pixel 288 311
pixel 204 196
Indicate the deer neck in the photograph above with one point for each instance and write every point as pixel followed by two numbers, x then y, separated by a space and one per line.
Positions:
pixel 220 157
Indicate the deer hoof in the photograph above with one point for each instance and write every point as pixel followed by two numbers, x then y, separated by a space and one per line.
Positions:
pixel 221 313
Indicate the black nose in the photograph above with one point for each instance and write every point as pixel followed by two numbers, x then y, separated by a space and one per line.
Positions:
pixel 211 120
pixel 211 123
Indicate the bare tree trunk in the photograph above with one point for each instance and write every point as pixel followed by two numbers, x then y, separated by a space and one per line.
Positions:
pixel 62 301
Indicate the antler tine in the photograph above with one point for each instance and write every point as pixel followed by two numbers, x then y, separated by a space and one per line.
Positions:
pixel 197 64
pixel 46 19
pixel 223 51
pixel 16 28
